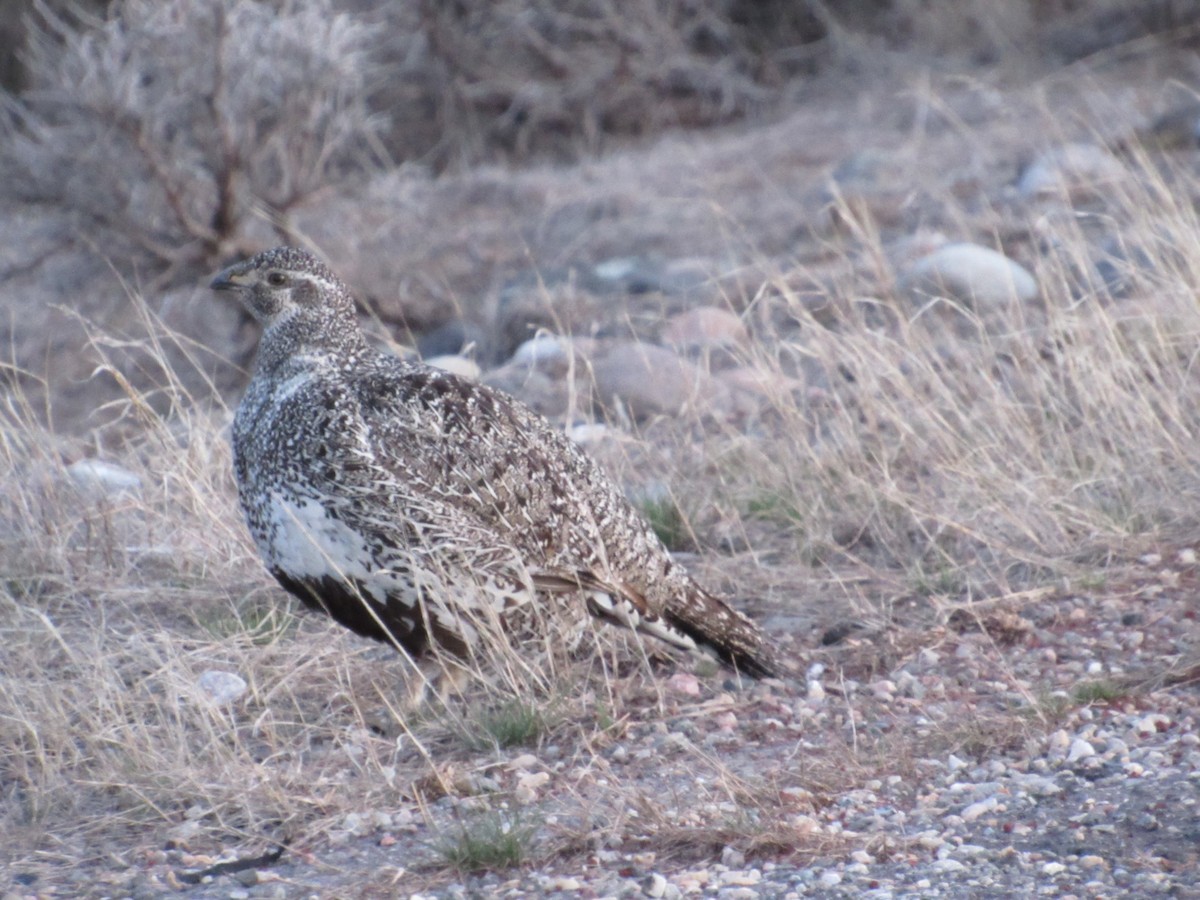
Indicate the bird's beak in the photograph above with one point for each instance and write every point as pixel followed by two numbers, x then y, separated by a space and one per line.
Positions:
pixel 231 279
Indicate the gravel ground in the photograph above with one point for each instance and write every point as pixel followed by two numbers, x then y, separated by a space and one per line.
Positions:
pixel 1046 746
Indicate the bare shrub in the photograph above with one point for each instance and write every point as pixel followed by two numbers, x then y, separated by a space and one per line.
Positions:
pixel 157 132
pixel 480 79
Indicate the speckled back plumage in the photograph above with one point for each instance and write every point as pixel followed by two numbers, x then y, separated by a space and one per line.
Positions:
pixel 420 508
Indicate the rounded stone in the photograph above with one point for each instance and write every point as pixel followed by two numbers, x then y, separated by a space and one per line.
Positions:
pixel 552 353
pixel 1077 170
pixel 221 687
pixel 456 365
pixel 979 277
pixel 706 326
pixel 650 380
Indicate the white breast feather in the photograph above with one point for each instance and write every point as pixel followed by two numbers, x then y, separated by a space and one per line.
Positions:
pixel 306 542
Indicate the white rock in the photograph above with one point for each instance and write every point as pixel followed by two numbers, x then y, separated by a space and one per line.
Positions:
pixel 184 831
pixel 456 365
pixel 103 477
pixel 883 689
pixel 564 883
pixel 804 824
pixel 1053 868
pixel 684 683
pixel 540 348
pixel 1040 785
pixel 550 351
pixel 732 857
pixel 725 721
pixel 528 786
pixel 221 687
pixel 616 268
pixel 1058 744
pixel 930 840
pixel 977 276
pixel 741 877
pixel 654 885
pixel 1152 723
pixel 949 865
pixel 357 824
pixel 590 433
pixel 1080 749
pixel 1076 170
pixel 973 811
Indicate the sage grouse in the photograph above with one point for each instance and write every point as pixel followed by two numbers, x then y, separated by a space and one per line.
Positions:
pixel 431 512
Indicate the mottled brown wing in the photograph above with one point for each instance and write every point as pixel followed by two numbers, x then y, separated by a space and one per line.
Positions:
pixel 523 481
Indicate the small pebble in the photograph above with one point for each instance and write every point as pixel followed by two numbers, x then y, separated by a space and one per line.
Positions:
pixel 1080 749
pixel 949 865
pixel 654 885
pixel 221 687
pixel 975 810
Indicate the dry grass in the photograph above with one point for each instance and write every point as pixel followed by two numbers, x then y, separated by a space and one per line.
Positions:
pixel 981 451
pixel 940 453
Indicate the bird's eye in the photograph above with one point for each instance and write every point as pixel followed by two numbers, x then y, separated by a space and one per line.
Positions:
pixel 276 279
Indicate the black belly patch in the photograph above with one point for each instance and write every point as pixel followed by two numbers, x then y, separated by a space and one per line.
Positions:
pixel 349 604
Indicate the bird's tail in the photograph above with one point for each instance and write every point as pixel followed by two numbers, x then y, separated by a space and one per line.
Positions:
pixel 693 619
pixel 712 623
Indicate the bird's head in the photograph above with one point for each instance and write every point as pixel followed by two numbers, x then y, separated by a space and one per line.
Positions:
pixel 277 284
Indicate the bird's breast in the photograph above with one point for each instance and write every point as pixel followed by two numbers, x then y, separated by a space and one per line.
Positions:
pixel 303 538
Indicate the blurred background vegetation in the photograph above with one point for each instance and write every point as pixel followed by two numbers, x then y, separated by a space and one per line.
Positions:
pixel 430 149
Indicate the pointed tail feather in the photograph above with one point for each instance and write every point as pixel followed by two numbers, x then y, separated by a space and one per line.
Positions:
pixel 738 641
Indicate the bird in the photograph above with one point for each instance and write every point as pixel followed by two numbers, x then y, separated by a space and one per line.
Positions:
pixel 436 513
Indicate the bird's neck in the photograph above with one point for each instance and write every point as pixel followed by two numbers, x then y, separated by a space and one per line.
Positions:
pixel 309 333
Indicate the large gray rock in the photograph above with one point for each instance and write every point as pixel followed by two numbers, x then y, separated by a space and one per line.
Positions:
pixel 978 277
pixel 648 380
pixel 1078 171
pixel 553 353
